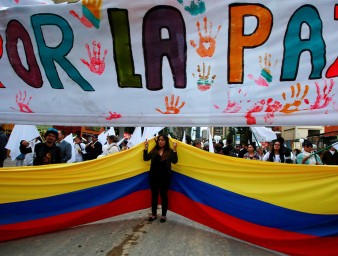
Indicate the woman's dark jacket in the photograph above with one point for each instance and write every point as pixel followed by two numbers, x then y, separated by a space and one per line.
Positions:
pixel 172 158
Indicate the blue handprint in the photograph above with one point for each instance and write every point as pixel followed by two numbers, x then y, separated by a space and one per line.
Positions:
pixel 192 7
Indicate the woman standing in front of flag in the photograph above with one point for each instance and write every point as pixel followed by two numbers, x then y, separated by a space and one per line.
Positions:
pixel 161 157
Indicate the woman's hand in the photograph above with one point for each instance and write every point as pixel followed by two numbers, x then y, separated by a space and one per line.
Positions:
pixel 174 146
pixel 146 145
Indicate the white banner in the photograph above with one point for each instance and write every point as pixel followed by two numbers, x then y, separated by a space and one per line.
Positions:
pixel 169 63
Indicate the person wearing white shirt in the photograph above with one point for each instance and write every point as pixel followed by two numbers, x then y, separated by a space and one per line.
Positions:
pixel 79 147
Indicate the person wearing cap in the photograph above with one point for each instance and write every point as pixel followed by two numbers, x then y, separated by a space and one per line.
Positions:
pixel 307 156
pixel 93 148
pixel 48 152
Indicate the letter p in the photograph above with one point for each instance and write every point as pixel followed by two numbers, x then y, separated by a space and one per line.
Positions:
pixel 238 41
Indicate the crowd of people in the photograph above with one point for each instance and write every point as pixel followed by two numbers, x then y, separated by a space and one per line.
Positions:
pixel 276 151
pixel 53 148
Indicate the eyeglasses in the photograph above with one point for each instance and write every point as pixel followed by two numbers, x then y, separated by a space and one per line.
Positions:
pixel 277 144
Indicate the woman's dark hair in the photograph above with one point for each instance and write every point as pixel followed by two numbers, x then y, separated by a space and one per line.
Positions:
pixel 166 146
pixel 307 143
pixel 113 138
pixel 253 145
pixel 272 153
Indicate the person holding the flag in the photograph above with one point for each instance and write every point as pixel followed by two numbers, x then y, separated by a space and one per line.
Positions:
pixel 161 157
pixel 3 150
pixel 48 152
pixel 330 156
pixel 307 157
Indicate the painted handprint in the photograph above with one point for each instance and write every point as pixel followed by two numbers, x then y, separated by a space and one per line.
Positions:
pixel 234 106
pixel 203 82
pixel 323 100
pixel 296 99
pixel 271 108
pixel 173 107
pixel 113 115
pixel 207 43
pixel 95 64
pixel 257 107
pixel 192 7
pixel 22 102
pixel 265 77
pixel 91 13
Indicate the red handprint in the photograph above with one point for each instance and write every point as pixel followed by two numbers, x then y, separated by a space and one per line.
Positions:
pixel 113 115
pixel 257 107
pixel 173 108
pixel 271 109
pixel 323 100
pixel 233 106
pixel 96 65
pixel 22 103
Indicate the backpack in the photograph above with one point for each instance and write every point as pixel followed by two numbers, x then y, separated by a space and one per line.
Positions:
pixel 232 152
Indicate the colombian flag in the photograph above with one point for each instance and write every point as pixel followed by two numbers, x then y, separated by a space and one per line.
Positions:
pixel 283 207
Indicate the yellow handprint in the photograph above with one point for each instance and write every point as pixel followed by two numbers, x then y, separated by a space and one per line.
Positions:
pixel 94 6
pixel 203 82
pixel 173 108
pixel 91 13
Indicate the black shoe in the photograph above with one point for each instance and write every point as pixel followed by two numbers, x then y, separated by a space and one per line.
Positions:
pixel 152 218
pixel 163 219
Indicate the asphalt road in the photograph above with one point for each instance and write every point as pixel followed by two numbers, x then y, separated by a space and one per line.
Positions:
pixel 131 234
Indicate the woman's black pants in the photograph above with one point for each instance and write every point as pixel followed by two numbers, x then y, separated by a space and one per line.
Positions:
pixel 161 190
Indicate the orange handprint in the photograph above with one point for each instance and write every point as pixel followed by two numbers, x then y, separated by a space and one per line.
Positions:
pixel 173 108
pixel 323 101
pixel 21 102
pixel 96 65
pixel 294 106
pixel 207 43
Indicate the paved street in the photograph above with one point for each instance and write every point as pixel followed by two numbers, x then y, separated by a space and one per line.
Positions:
pixel 131 234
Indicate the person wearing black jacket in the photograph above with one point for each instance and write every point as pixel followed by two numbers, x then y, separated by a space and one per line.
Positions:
pixel 330 157
pixel 161 157
pixel 47 152
pixel 3 143
pixel 229 149
pixel 93 148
